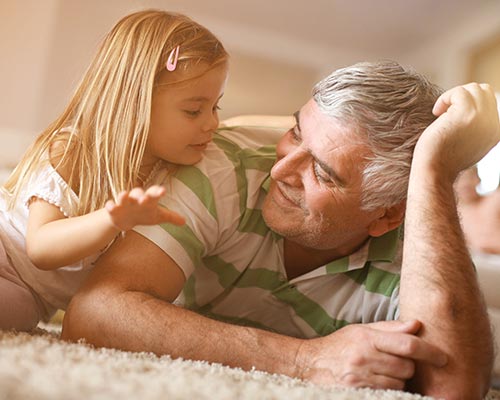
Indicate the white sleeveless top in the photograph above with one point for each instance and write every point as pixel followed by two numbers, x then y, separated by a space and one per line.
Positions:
pixel 56 287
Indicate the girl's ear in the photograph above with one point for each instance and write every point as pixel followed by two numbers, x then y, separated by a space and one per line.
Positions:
pixel 391 219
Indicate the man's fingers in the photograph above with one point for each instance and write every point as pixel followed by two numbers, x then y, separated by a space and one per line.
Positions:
pixel 387 382
pixel 460 94
pixel 410 346
pixel 412 326
pixel 480 94
pixel 400 368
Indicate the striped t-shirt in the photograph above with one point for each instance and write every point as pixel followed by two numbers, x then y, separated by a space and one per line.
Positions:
pixel 234 264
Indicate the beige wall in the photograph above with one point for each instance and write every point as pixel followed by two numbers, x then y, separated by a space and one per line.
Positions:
pixel 50 51
pixel 262 86
pixel 45 47
pixel 446 59
pixel 25 35
pixel 485 63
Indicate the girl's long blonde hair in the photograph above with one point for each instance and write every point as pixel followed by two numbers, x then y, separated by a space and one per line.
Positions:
pixel 109 113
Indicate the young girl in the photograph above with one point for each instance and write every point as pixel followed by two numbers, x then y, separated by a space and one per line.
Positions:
pixel 149 97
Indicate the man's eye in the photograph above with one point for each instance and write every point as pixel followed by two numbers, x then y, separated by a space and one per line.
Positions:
pixel 193 113
pixel 295 134
pixel 320 174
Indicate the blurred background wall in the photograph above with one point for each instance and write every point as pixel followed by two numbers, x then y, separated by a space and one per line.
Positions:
pixel 279 48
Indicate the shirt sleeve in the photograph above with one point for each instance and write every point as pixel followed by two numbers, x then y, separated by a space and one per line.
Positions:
pixel 190 194
pixel 48 185
pixel 213 196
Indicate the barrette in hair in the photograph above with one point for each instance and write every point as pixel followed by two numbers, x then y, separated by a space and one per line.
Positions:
pixel 171 63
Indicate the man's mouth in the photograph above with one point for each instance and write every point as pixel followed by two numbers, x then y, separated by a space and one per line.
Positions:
pixel 285 197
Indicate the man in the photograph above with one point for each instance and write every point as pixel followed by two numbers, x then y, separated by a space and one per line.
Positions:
pixel 335 202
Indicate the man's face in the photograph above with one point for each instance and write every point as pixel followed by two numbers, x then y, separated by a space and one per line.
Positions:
pixel 315 193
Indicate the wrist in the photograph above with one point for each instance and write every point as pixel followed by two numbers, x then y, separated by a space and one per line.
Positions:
pixel 301 363
pixel 432 167
pixel 112 224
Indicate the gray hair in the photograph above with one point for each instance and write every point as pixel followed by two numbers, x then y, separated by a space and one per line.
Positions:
pixel 390 107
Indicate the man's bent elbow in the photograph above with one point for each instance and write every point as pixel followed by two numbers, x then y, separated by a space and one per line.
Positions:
pixel 462 381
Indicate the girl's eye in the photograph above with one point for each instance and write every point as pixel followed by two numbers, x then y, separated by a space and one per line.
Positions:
pixel 193 113
pixel 216 108
pixel 320 174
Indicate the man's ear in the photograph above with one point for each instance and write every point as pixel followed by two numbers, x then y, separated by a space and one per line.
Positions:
pixel 390 219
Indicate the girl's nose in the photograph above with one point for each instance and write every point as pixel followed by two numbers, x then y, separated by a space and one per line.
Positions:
pixel 212 123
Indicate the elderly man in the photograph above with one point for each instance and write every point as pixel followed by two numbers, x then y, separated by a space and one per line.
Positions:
pixel 276 268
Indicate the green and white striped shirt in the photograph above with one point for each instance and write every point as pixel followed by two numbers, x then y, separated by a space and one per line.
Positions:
pixel 234 264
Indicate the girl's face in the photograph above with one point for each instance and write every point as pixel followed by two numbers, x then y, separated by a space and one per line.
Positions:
pixel 184 115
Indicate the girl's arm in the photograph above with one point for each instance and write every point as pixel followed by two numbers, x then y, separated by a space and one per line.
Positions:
pixel 54 241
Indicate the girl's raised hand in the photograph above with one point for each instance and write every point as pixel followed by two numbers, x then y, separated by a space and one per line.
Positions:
pixel 139 207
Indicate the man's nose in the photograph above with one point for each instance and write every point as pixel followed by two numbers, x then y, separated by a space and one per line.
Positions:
pixel 290 166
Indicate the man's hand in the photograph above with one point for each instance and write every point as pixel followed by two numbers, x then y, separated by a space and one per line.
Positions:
pixel 466 128
pixel 379 355
pixel 141 208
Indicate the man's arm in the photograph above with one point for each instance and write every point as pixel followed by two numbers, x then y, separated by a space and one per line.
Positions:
pixel 126 304
pixel 438 282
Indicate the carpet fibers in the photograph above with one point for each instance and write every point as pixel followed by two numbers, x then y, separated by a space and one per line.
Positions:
pixel 40 366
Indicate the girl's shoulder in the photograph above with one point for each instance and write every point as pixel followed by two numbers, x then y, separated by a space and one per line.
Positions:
pixel 56 157
pixel 47 184
pixel 50 181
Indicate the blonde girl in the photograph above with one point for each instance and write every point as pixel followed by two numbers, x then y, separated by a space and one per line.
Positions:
pixel 150 97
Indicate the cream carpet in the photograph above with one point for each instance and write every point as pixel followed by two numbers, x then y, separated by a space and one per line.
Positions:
pixel 39 366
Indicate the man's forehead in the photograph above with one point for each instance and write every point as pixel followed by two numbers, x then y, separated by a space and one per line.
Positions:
pixel 333 144
pixel 326 129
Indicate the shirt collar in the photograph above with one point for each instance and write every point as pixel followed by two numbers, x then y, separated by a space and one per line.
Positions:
pixel 377 249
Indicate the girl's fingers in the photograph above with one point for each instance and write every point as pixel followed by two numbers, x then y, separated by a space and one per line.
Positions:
pixel 152 195
pixel 172 217
pixel 156 191
pixel 110 206
pixel 136 193
pixel 122 198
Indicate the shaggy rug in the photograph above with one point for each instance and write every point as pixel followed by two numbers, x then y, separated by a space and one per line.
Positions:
pixel 40 366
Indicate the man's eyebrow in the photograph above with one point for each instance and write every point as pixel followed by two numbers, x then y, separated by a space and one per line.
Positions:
pixel 331 173
pixel 296 115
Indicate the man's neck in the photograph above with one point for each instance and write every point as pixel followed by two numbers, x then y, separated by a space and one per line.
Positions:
pixel 300 260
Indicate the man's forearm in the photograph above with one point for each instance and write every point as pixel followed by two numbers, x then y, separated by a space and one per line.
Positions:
pixel 439 288
pixel 136 321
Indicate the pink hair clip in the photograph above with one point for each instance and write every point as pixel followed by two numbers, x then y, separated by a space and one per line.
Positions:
pixel 171 63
